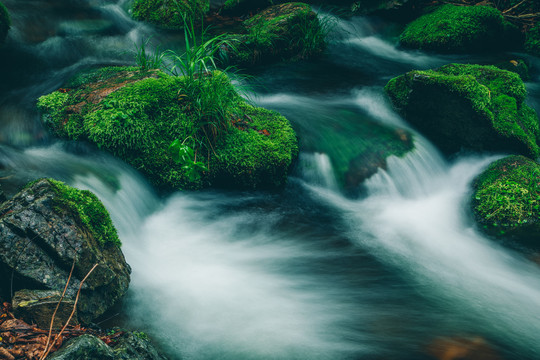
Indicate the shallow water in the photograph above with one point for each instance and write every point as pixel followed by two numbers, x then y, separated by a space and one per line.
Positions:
pixel 306 273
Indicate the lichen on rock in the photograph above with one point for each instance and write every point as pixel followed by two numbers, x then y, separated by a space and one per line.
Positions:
pixel 506 199
pixel 472 107
pixel 458 29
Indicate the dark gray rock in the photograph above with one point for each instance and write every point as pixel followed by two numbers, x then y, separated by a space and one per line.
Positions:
pixel 41 237
pixel 38 306
pixel 136 346
pixel 84 347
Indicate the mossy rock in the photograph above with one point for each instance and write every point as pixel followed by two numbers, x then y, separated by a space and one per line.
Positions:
pixel 506 199
pixel 458 29
pixel 169 14
pixel 469 107
pixel 518 66
pixel 136 115
pixel 285 31
pixel 5 22
pixel 243 7
pixel 532 42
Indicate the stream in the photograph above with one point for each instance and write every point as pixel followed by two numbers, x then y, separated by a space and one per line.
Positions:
pixel 304 273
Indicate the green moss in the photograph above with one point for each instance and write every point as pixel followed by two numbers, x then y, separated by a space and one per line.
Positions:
pixel 452 28
pixel 532 42
pixel 5 22
pixel 139 120
pixel 507 194
pixel 89 210
pixel 169 13
pixel 517 66
pixel 495 97
pixel 285 31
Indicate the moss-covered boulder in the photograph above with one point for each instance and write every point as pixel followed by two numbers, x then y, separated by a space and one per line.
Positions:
pixel 169 14
pixel 518 66
pixel 285 31
pixel 458 29
pixel 470 107
pixel 506 199
pixel 5 22
pixel 532 42
pixel 47 228
pixel 136 115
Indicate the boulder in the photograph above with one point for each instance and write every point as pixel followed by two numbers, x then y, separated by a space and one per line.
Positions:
pixel 517 66
pixel 138 114
pixel 471 107
pixel 45 229
pixel 38 306
pixel 506 199
pixel 284 31
pixel 169 14
pixel 5 22
pixel 136 346
pixel 459 29
pixel 129 346
pixel 87 347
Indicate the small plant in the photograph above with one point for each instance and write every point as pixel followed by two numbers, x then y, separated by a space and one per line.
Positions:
pixel 146 60
pixel 186 157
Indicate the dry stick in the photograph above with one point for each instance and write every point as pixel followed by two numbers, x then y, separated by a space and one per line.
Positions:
pixel 513 7
pixel 48 350
pixel 58 305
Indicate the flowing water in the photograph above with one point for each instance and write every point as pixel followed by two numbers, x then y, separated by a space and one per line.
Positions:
pixel 305 273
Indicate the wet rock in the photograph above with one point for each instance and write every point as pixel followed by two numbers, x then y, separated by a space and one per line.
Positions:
pixel 169 13
pixel 285 31
pixel 85 347
pixel 471 107
pixel 443 30
pixel 462 348
pixel 136 346
pixel 45 229
pixel 506 200
pixel 38 306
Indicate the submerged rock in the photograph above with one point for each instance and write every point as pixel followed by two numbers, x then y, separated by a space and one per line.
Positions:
pixel 137 114
pixel 45 229
pixel 285 31
pixel 468 107
pixel 5 22
pixel 169 14
pixel 458 29
pixel 462 348
pixel 506 199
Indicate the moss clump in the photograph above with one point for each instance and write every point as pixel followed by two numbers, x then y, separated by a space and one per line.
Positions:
pixel 518 66
pixel 452 28
pixel 532 42
pixel 88 209
pixel 470 106
pixel 5 22
pixel 169 13
pixel 285 31
pixel 506 198
pixel 137 115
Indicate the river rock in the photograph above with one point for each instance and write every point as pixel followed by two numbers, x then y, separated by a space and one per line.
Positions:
pixel 38 306
pixel 458 29
pixel 469 107
pixel 87 347
pixel 136 346
pixel 5 22
pixel 506 200
pixel 47 227
pixel 169 14
pixel 116 109
pixel 284 31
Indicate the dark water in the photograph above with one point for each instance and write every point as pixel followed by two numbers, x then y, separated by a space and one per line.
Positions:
pixel 302 274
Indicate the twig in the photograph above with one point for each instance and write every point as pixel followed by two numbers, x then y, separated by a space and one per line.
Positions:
pixel 523 16
pixel 513 7
pixel 59 302
pixel 5 354
pixel 48 350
